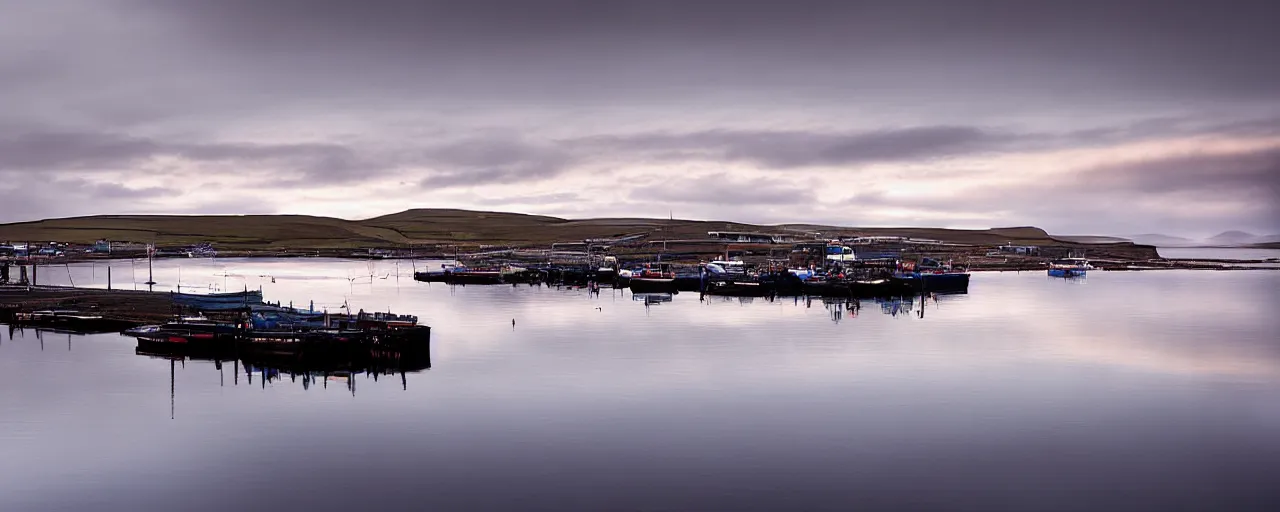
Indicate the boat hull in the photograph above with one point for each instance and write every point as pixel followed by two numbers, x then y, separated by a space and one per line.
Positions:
pixel 652 285
pixel 475 279
pixel 936 283
pixel 880 288
pixel 825 289
pixel 688 283
pixel 740 289
pixel 430 277
pixel 1067 272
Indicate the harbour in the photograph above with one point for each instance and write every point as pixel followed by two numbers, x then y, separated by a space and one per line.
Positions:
pixel 1136 366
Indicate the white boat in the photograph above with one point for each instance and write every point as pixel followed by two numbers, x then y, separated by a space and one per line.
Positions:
pixel 1069 267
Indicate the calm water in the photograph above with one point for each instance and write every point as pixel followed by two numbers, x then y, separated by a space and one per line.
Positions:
pixel 1123 391
pixel 1219 253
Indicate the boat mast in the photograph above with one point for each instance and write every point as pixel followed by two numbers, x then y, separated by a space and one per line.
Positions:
pixel 151 249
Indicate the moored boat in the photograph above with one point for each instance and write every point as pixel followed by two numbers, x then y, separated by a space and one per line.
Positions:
pixel 1069 267
pixel 822 287
pixel 70 320
pixel 218 301
pixel 607 272
pixel 475 276
pixel 933 277
pixel 886 287
pixel 653 279
pixel 741 288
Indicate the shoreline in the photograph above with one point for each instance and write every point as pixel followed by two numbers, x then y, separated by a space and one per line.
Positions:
pixel 1027 263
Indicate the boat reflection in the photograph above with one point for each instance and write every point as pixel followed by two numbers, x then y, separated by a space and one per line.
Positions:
pixel 652 299
pixel 841 308
pixel 16 330
pixel 308 369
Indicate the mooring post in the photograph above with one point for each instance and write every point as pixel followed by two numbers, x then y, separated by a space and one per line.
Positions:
pixel 33 273
pixel 108 276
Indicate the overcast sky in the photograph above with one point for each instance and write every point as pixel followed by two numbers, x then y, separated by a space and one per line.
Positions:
pixel 1115 117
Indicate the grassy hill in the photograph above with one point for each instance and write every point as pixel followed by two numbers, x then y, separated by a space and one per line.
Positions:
pixel 248 231
pixel 435 226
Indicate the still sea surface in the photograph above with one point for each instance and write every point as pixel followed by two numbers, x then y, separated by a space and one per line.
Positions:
pixel 1120 391
pixel 1218 253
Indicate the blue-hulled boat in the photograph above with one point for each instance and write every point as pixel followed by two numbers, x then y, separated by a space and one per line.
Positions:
pixel 218 301
pixel 932 276
pixel 1069 267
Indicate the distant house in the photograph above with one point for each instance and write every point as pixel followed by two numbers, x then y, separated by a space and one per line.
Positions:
pixel 1020 249
pixel 745 237
pixel 868 240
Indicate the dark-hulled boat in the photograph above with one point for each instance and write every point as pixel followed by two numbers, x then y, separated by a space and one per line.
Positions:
pixel 477 276
pixel 70 320
pixel 741 288
pixel 825 288
pixel 654 279
pixel 885 287
pixel 931 276
pixel 340 335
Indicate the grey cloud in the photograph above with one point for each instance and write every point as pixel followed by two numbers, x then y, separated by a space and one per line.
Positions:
pixel 30 197
pixel 110 191
pixel 494 176
pixel 62 151
pixel 478 160
pixel 794 148
pixel 233 206
pixel 43 150
pixel 1183 193
pixel 537 199
pixel 790 149
pixel 722 189
pixel 1250 175
pixel 1156 47
pixel 781 85
pixel 496 160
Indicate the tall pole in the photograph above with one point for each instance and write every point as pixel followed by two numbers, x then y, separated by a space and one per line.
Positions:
pixel 171 388
pixel 151 249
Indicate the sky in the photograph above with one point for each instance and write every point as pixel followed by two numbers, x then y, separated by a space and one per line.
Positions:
pixel 1087 117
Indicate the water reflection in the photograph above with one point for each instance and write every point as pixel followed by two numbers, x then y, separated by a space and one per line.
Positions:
pixel 652 299
pixel 1137 391
pixel 303 368
pixel 41 333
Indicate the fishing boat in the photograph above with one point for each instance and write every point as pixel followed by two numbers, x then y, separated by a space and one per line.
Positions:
pixel 1069 267
pixel 623 279
pixel 476 276
pixel 186 335
pixel 651 299
pixel 437 276
pixel 322 333
pixel 688 279
pixel 820 286
pixel 653 278
pixel 741 288
pixel 885 287
pixel 69 320
pixel 608 271
pixel 217 301
pixel 933 277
